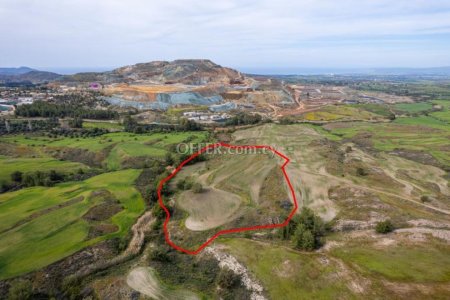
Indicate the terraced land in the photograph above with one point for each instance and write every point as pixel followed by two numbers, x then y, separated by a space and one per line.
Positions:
pixel 41 225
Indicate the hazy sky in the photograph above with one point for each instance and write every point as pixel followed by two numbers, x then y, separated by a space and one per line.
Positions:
pixel 237 33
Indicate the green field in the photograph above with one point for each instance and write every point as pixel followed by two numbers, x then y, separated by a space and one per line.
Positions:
pixel 344 112
pixel 411 263
pixel 124 145
pixel 39 226
pixel 9 165
pixel 288 274
pixel 104 125
pixel 413 107
pixel 443 115
pixel 415 134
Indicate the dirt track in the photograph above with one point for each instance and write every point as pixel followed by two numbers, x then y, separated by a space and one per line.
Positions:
pixel 134 247
pixel 144 280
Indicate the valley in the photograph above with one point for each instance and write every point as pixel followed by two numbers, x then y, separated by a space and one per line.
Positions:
pixel 369 167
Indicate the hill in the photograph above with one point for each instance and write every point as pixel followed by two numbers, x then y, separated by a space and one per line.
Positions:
pixel 15 71
pixel 186 71
pixel 25 74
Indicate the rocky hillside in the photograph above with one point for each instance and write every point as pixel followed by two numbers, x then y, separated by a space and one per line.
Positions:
pixel 186 71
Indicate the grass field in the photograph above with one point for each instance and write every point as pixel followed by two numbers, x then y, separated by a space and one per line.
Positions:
pixel 443 115
pixel 9 165
pixel 104 125
pixel 40 226
pixel 413 107
pixel 416 134
pixel 287 274
pixel 410 263
pixel 125 145
pixel 342 112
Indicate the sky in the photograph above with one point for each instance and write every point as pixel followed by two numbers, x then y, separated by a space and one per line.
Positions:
pixel 244 34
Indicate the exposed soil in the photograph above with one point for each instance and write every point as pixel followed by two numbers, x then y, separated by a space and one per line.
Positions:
pixel 103 211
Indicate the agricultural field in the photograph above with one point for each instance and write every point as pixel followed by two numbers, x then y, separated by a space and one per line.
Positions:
pixel 413 107
pixel 41 225
pixel 345 113
pixel 251 189
pixel 110 150
pixel 8 165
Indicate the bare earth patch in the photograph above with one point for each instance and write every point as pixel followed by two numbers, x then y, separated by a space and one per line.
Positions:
pixel 209 209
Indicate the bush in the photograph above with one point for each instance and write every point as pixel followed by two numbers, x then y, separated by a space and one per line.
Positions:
pixel 16 176
pixel 384 227
pixel 305 230
pixel 361 172
pixel 228 279
pixel 20 290
pixel 425 198
pixel 197 188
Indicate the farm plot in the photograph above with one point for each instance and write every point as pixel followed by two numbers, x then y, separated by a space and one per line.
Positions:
pixel 42 225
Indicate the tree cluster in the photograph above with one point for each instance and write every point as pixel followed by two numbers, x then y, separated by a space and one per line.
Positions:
pixel 131 125
pixel 61 110
pixel 41 178
pixel 243 118
pixel 305 230
pixel 21 126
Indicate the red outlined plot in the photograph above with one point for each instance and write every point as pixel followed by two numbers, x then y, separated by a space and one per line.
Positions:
pixel 227 231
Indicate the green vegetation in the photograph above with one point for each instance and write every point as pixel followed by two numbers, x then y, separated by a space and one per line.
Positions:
pixel 305 229
pixel 413 263
pixel 287 274
pixel 197 188
pixel 42 225
pixel 27 165
pixel 384 227
pixel 104 125
pixel 20 290
pixel 413 107
pixel 414 134
pixel 342 112
pixel 49 110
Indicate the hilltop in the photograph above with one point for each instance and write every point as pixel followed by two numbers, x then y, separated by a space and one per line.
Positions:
pixel 185 71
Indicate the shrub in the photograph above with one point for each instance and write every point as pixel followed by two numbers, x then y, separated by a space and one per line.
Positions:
pixel 228 279
pixel 16 176
pixel 384 227
pixel 20 290
pixel 425 198
pixel 361 172
pixel 197 188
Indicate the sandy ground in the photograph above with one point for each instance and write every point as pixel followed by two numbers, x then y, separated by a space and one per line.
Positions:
pixel 144 280
pixel 209 209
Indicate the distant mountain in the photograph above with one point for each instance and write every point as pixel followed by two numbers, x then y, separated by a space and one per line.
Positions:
pixel 15 71
pixel 187 71
pixel 25 74
pixel 437 71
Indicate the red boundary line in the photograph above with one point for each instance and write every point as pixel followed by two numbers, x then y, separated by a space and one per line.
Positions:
pixel 233 230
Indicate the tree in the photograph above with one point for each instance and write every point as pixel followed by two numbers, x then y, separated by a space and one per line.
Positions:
pixel 391 117
pixel 306 230
pixel 20 290
pixel 384 227
pixel 16 176
pixel 76 122
pixel 197 188
pixel 129 124
pixel 169 159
